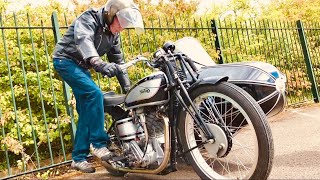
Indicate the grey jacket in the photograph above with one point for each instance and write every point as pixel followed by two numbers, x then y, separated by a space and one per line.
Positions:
pixel 87 37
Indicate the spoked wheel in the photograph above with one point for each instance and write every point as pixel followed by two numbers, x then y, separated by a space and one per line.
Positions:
pixel 243 147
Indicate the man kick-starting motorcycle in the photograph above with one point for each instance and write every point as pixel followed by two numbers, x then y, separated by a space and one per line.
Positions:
pixel 91 35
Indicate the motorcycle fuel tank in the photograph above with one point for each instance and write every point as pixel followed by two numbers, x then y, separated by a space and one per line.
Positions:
pixel 148 91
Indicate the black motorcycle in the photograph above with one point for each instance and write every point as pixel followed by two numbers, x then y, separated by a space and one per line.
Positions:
pixel 216 126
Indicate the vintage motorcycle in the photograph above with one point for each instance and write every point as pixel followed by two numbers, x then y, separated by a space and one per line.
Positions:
pixel 216 126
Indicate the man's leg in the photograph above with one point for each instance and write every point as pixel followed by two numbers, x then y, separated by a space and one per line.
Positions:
pixel 89 106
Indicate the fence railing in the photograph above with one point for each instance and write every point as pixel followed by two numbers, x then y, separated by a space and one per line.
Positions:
pixel 36 109
pixel 282 44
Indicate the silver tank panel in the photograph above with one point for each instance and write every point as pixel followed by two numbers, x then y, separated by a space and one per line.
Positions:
pixel 148 91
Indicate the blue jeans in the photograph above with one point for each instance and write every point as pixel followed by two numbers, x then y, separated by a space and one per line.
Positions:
pixel 89 105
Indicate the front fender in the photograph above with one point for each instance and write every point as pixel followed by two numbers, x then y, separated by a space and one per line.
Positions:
pixel 211 80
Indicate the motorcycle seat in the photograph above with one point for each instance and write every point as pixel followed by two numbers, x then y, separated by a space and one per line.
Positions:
pixel 110 98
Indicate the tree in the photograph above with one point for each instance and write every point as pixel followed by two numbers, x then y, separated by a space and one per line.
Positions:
pixel 306 10
pixel 3 6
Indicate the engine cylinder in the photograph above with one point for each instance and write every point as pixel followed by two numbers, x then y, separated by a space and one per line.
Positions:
pixel 127 130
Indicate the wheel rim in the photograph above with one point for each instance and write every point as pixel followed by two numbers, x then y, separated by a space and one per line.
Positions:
pixel 242 158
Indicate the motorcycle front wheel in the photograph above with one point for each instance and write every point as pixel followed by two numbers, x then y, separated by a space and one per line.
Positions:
pixel 243 147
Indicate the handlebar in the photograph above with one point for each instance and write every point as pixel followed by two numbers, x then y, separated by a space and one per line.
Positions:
pixel 134 61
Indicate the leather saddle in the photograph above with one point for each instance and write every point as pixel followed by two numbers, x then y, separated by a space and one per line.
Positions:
pixel 110 98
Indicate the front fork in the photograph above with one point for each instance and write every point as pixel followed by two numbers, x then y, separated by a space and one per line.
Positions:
pixel 173 112
pixel 176 83
pixel 196 116
pixel 178 88
pixel 174 108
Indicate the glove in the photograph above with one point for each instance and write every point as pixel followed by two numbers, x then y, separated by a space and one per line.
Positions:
pixel 107 69
pixel 110 69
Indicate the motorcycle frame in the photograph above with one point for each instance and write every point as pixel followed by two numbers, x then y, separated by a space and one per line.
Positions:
pixel 179 101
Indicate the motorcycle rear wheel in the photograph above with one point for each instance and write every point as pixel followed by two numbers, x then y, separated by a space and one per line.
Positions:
pixel 244 136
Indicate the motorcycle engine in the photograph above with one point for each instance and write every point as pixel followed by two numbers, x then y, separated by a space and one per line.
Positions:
pixel 142 138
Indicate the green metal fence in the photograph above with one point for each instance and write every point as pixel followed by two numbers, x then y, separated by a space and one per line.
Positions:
pixel 312 32
pixel 36 109
pixel 35 127
pixel 282 44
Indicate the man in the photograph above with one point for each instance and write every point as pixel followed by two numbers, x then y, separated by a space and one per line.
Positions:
pixel 91 35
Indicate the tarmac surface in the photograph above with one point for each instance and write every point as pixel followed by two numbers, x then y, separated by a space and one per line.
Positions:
pixel 296 134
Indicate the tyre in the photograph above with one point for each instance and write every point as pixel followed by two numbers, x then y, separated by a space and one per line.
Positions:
pixel 243 147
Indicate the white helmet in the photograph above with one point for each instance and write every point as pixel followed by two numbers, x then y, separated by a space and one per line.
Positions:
pixel 127 13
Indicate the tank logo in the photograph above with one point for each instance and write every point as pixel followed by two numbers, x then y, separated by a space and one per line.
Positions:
pixel 145 90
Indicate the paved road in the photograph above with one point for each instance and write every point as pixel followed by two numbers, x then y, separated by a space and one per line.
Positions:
pixel 296 134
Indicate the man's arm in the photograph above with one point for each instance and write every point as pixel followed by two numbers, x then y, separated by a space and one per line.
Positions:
pixel 84 30
pixel 115 56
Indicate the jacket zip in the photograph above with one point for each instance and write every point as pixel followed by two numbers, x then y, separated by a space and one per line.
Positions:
pixel 99 42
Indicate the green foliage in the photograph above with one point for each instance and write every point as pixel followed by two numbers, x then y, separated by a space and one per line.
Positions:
pixel 267 31
pixel 3 6
pixel 292 10
pixel 32 102
pixel 175 8
pixel 31 91
pixel 275 42
pixel 27 90
pixel 306 10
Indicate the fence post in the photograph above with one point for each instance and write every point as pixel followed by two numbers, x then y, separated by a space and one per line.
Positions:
pixel 308 62
pixel 66 87
pixel 217 42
